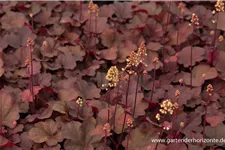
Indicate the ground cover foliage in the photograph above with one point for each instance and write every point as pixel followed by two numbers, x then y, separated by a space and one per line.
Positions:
pixel 78 76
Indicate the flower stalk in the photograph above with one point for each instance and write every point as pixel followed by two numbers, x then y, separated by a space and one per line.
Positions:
pixel 79 102
pixel 209 90
pixel 155 61
pixel 125 116
pixel 181 126
pixel 96 10
pixel 195 23
pixel 105 140
pixel 181 7
pixel 141 53
pixel 160 132
pixel 107 130
pixel 30 44
pixel 130 126
pixel 108 104
pixel 164 37
pixel 113 78
pixel 219 7
pixel 166 107
pixel 177 95
pixel 136 91
pixel 92 9
pixel 118 90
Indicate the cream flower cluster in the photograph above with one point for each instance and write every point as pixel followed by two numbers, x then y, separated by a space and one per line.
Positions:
pixel 136 58
pixel 79 101
pixel 167 107
pixel 219 6
pixel 93 8
pixel 194 20
pixel 107 128
pixel 112 76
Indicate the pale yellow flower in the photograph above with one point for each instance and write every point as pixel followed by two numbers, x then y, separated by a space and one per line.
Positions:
pixel 107 128
pixel 219 6
pixel 79 101
pixel 194 20
pixel 113 76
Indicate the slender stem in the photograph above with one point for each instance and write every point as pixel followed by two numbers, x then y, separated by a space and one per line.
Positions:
pixel 96 21
pixel 153 84
pixel 164 37
pixel 161 131
pixel 153 123
pixel 178 132
pixel 214 39
pixel 89 32
pixel 105 140
pixel 89 38
pixel 191 60
pixel 114 124
pixel 31 80
pixel 173 118
pixel 206 111
pixel 78 110
pixel 114 120
pixel 128 137
pixel 124 120
pixel 128 85
pixel 204 124
pixel 178 31
pixel 118 89
pixel 32 23
pixel 112 140
pixel 135 100
pixel 31 72
pixel 160 134
pixel 109 104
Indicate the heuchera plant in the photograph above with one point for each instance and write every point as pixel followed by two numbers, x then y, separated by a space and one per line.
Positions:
pixel 115 76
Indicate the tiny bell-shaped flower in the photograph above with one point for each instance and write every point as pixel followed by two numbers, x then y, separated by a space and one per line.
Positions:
pixel 107 128
pixel 157 116
pixel 194 20
pixel 181 7
pixel 203 76
pixel 177 93
pixel 27 62
pixel 156 60
pixel 79 101
pixel 93 8
pixel 30 42
pixel 130 122
pixel 209 89
pixel 221 38
pixel 181 124
pixel 181 81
